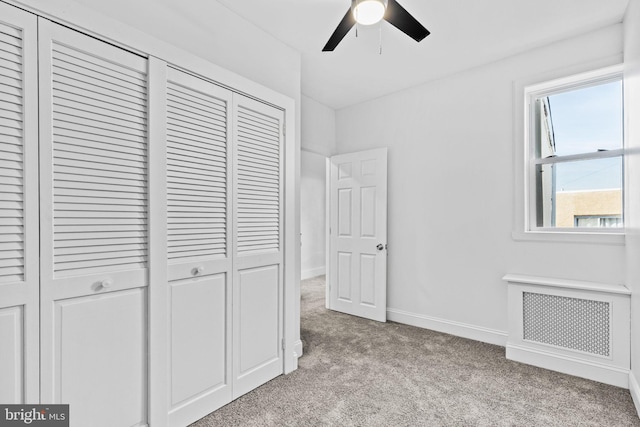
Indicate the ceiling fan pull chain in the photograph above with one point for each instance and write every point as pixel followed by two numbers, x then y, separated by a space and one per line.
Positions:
pixel 355 16
pixel 380 38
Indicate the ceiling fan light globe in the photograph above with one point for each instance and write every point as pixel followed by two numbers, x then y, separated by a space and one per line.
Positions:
pixel 368 12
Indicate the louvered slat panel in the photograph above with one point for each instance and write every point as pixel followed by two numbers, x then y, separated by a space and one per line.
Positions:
pixel 99 164
pixel 196 173
pixel 258 182
pixel 12 232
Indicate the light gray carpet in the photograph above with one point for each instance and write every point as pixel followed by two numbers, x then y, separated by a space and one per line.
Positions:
pixel 357 372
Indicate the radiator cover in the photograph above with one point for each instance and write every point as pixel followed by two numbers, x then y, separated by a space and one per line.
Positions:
pixel 579 328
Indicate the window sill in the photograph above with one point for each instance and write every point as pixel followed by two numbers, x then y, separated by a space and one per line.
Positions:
pixel 605 238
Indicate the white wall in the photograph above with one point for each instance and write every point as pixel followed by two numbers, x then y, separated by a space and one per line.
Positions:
pixel 318 127
pixel 318 142
pixel 451 190
pixel 312 214
pixel 632 133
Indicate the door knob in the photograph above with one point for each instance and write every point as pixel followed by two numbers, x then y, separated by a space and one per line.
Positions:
pixel 380 246
pixel 198 270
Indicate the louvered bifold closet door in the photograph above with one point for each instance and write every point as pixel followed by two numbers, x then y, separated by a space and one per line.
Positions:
pixel 258 245
pixel 93 184
pixel 198 246
pixel 18 207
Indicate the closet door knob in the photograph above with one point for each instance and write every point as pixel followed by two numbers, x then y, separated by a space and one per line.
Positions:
pixel 198 270
pixel 106 283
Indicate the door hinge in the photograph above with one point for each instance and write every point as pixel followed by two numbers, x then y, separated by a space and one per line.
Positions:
pixel 282 342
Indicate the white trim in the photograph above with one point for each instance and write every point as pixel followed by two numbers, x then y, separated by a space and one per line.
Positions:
pixel 312 272
pixel 605 238
pixel 590 155
pixel 464 330
pixel 565 283
pixel 298 349
pixel 291 236
pixel 607 374
pixel 634 389
pixel 576 81
pixel 587 191
pixel 327 221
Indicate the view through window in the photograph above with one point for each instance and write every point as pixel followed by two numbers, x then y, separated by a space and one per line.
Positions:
pixel 577 161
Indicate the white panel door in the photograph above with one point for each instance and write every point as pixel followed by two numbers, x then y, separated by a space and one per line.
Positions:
pixel 93 223
pixel 19 284
pixel 198 246
pixel 358 234
pixel 257 242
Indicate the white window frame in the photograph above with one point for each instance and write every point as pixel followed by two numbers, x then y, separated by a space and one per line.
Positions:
pixel 525 96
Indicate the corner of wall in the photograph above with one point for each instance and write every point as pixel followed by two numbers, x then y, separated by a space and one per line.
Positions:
pixel 318 127
pixel 632 175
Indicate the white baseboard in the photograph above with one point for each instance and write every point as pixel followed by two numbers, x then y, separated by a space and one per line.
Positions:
pixel 569 365
pixel 634 389
pixel 463 330
pixel 294 355
pixel 313 272
pixel 297 347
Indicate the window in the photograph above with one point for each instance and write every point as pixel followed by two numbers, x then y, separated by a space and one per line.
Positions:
pixel 574 153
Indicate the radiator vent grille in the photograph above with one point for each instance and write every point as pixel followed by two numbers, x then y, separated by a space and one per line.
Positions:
pixel 571 323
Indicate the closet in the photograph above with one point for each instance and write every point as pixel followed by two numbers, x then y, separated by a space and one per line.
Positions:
pixel 19 236
pixel 142 230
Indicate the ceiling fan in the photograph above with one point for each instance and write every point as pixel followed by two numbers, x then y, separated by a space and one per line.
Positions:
pixel 368 12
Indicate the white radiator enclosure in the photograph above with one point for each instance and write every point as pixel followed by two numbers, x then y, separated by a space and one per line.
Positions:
pixel 575 327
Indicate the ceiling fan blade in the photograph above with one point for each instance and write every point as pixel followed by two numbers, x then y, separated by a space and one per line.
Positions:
pixel 343 28
pixel 397 16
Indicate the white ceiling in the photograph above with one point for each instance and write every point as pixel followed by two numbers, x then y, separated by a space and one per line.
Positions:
pixel 464 34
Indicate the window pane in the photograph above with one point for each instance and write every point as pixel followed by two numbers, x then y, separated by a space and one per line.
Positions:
pixel 597 174
pixel 585 193
pixel 583 120
pixel 598 221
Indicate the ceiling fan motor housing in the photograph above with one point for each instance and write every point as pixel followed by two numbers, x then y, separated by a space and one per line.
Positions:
pixel 368 12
